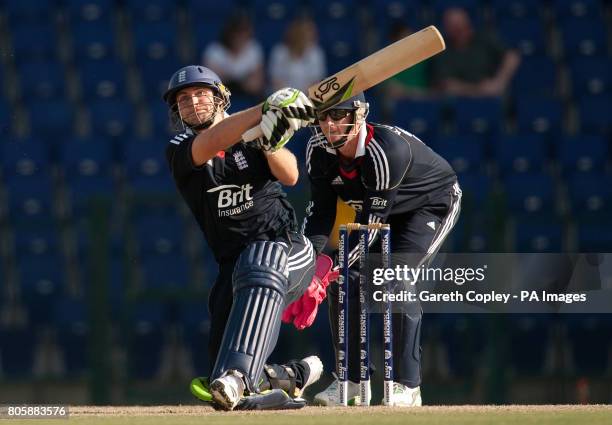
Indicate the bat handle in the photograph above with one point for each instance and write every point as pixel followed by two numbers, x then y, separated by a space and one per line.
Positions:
pixel 252 134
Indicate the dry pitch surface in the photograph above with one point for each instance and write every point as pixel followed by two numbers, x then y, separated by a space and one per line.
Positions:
pixel 473 415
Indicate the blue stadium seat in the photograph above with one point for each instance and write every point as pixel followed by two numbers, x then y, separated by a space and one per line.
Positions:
pixel 117 285
pixel 471 6
pixel 22 11
pixel 521 153
pixel 24 158
pixel 147 170
pixel 150 10
pixel 276 10
pixel 93 41
pixel 529 331
pixel 30 198
pixel 531 235
pixel 385 12
pixel 423 118
pixel 584 37
pixel 196 326
pixel 200 10
pixel 472 232
pixel 35 42
pixel 465 154
pixel 17 348
pixel 168 273
pixel 582 9
pixel 536 75
pixel 517 9
pixel 595 114
pixel 155 75
pixel 590 234
pixel 145 339
pixel 102 79
pixel 36 240
pixel 89 11
pixel 334 12
pixel 112 117
pixel 41 279
pixel 87 171
pixel 530 194
pixel 583 154
pixel 591 194
pixel 205 32
pixel 268 33
pixel 590 330
pixel 524 34
pixel 70 316
pixel 160 120
pixel 42 80
pixel 84 192
pixel 483 116
pixel 83 159
pixel 159 234
pixel 51 119
pixel 476 188
pixel 5 114
pixel 154 40
pixel 539 115
pixel 341 44
pixel 591 76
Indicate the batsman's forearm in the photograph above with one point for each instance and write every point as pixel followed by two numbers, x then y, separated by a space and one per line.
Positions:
pixel 224 134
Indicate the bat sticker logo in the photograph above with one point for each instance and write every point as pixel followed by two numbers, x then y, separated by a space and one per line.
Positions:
pixel 325 87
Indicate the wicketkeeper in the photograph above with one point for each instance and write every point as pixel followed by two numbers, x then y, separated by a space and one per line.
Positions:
pixel 387 175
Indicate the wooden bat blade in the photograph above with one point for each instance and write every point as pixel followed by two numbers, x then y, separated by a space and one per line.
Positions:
pixel 371 70
pixel 377 67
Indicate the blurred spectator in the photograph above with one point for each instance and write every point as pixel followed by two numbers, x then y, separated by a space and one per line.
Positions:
pixel 237 58
pixel 413 82
pixel 298 61
pixel 473 63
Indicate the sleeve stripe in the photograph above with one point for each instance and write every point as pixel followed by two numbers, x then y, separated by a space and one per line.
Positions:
pixel 374 155
pixel 380 157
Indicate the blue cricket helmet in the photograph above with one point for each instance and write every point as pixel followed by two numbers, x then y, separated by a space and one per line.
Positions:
pixel 350 102
pixel 194 75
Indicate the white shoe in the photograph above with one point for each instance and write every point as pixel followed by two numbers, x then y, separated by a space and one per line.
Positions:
pixel 227 390
pixel 404 396
pixel 315 370
pixel 329 396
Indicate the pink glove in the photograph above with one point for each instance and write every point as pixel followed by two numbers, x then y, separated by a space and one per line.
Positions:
pixel 303 311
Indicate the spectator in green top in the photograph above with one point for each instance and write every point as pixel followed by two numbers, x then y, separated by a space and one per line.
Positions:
pixel 473 64
pixel 414 81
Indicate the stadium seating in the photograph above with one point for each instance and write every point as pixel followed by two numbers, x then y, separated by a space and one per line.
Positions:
pixel 583 154
pixel 524 34
pixel 530 194
pixel 521 153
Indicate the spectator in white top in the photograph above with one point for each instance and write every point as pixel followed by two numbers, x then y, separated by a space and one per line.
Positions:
pixel 298 61
pixel 237 58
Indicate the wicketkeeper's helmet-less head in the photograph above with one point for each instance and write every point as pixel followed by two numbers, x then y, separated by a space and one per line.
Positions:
pixel 195 76
pixel 360 109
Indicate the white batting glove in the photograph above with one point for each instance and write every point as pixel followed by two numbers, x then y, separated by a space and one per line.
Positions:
pixel 277 130
pixel 293 104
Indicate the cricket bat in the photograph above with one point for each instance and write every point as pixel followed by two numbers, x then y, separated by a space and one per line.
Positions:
pixel 371 70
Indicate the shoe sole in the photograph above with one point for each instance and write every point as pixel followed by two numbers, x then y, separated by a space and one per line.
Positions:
pixel 220 396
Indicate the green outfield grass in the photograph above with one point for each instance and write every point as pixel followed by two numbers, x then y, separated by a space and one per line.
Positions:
pixel 197 415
